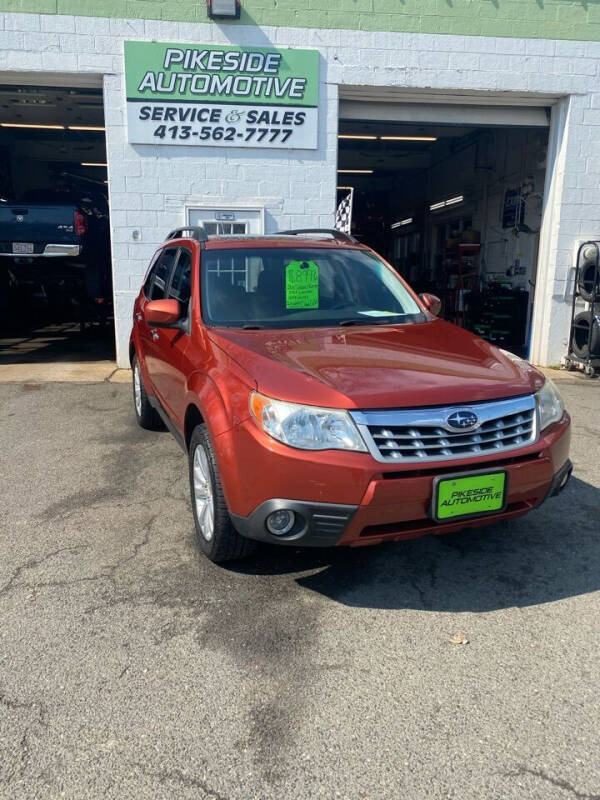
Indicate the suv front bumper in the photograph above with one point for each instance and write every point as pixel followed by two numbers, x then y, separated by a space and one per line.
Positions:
pixel 372 503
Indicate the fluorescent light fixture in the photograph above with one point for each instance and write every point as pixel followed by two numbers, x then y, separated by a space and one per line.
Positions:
pixel 25 125
pixel 407 221
pixel 408 138
pixel 356 136
pixel 223 9
pixel 92 164
pixel 345 188
pixel 452 201
pixel 86 127
pixel 356 171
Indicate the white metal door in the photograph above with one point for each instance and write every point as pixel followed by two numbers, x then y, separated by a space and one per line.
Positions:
pixel 227 220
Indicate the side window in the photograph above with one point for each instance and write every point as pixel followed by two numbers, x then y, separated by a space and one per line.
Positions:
pixel 162 270
pixel 179 288
pixel 150 272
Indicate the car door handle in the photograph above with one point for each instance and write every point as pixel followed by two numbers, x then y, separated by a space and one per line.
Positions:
pixel 154 334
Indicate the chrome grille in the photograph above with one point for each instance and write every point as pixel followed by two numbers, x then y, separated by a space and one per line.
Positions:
pixel 424 434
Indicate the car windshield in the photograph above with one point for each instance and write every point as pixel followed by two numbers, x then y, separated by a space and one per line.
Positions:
pixel 302 287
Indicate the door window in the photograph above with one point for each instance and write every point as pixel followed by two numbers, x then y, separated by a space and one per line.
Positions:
pixel 150 273
pixel 179 288
pixel 162 270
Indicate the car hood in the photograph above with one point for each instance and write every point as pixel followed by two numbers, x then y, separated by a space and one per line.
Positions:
pixel 377 366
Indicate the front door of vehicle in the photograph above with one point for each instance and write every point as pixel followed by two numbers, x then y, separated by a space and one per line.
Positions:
pixel 168 345
pixel 155 288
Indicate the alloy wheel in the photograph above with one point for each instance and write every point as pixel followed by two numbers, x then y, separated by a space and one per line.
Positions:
pixel 137 390
pixel 203 494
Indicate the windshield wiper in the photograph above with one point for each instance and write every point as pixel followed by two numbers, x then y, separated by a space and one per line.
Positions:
pixel 358 322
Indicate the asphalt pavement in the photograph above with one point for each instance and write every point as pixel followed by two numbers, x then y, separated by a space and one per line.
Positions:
pixel 131 667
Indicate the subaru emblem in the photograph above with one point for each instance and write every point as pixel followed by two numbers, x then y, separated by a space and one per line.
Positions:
pixel 462 420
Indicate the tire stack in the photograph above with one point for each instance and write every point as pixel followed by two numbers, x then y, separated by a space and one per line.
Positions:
pixel 584 340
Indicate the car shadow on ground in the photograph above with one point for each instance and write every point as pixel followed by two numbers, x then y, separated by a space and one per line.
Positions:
pixel 550 554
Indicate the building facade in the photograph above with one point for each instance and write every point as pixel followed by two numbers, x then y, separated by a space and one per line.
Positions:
pixel 472 64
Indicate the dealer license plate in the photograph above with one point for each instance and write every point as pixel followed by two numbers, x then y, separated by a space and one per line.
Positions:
pixel 22 248
pixel 472 495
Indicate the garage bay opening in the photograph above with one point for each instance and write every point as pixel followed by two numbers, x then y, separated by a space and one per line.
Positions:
pixel 55 265
pixel 453 198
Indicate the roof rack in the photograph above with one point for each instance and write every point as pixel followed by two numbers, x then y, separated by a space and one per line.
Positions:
pixel 198 233
pixel 343 237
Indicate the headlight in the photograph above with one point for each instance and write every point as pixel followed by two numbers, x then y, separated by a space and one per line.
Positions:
pixel 306 427
pixel 550 404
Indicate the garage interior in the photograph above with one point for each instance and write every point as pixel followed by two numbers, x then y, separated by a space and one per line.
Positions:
pixel 53 153
pixel 452 196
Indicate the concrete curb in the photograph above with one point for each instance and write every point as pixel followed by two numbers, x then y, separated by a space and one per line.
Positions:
pixel 562 376
pixel 64 372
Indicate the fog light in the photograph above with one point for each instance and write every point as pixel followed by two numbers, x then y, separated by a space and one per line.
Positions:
pixel 280 522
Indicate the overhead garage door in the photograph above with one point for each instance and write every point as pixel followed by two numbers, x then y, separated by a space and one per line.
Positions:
pixel 401 105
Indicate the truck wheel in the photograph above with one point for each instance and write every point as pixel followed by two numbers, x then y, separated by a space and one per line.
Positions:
pixel 146 416
pixel 581 331
pixel 216 536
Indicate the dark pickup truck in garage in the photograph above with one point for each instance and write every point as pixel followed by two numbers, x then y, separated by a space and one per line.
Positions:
pixel 55 256
pixel 54 230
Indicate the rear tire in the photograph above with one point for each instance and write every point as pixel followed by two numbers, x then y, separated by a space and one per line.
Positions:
pixel 217 538
pixel 147 417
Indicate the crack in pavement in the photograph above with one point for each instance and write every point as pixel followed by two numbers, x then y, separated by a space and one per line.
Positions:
pixel 107 572
pixel 560 783
pixel 24 747
pixel 432 573
pixel 20 705
pixel 421 592
pixel 32 563
pixel 176 775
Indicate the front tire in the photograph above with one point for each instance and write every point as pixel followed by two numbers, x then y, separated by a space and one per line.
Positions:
pixel 147 417
pixel 217 538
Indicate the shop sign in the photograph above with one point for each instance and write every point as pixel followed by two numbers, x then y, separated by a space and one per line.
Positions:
pixel 212 95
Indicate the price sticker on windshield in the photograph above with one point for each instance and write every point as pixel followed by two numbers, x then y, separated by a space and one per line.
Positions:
pixel 301 285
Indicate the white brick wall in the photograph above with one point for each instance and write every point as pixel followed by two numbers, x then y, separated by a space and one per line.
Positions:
pixel 150 184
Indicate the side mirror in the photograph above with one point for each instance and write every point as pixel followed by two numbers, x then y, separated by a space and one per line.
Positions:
pixel 432 303
pixel 163 313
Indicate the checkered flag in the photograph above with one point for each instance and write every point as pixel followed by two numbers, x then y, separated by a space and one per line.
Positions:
pixel 343 215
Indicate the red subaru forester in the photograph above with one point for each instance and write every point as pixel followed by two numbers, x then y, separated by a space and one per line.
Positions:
pixel 321 402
